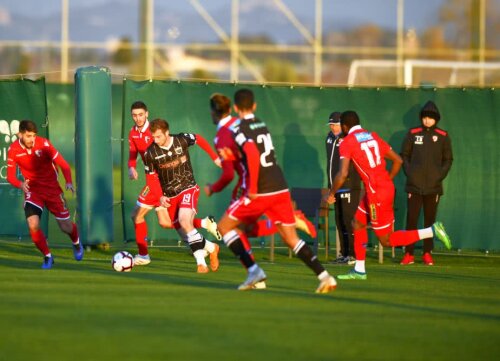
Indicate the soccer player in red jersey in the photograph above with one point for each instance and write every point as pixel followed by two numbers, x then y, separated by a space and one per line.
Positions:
pixel 38 160
pixel 176 188
pixel 368 153
pixel 230 156
pixel 267 193
pixel 139 139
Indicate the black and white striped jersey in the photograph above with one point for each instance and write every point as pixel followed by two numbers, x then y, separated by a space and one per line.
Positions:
pixel 172 164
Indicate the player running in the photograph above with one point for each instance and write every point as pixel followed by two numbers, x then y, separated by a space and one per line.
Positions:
pixel 175 187
pixel 368 153
pixel 38 160
pixel 267 193
pixel 139 139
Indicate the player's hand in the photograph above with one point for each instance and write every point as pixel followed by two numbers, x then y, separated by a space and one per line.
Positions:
pixel 132 173
pixel 208 190
pixel 165 201
pixel 218 162
pixel 69 187
pixel 329 198
pixel 25 186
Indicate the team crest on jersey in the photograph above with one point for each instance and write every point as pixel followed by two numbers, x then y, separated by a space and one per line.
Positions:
pixel 419 139
pixel 434 138
pixel 146 139
pixel 178 150
pixel 38 153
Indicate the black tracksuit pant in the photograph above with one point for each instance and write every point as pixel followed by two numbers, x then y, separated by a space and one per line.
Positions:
pixel 415 203
pixel 346 204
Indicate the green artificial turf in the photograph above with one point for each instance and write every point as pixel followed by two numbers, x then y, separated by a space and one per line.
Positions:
pixel 165 311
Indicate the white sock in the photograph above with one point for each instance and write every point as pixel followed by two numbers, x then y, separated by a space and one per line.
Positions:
pixel 209 246
pixel 360 266
pixel 426 233
pixel 252 268
pixel 323 275
pixel 199 255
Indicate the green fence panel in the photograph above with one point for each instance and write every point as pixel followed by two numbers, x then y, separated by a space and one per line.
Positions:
pixel 19 99
pixel 297 116
pixel 94 158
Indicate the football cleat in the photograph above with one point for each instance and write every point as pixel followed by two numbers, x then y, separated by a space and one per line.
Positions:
pixel 202 269
pixel 260 285
pixel 327 284
pixel 214 258
pixel 47 262
pixel 340 260
pixel 304 225
pixel 351 260
pixel 253 278
pixel 427 259
pixel 78 251
pixel 353 275
pixel 440 233
pixel 407 259
pixel 211 227
pixel 141 260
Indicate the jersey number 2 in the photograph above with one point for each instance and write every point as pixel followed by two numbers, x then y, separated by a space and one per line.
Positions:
pixel 266 140
pixel 372 152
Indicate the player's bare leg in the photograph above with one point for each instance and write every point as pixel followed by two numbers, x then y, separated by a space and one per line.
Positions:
pixel 304 252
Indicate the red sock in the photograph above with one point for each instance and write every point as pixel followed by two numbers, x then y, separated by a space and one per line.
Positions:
pixel 197 223
pixel 40 241
pixel 360 243
pixel 246 245
pixel 141 235
pixel 74 234
pixel 264 227
pixel 404 238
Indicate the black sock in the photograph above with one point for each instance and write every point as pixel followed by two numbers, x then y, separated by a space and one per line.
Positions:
pixel 303 251
pixel 233 242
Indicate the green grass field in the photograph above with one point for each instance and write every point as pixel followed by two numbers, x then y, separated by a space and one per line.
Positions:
pixel 165 311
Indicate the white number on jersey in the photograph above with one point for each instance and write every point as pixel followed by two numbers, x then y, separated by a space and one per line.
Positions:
pixel 372 152
pixel 268 147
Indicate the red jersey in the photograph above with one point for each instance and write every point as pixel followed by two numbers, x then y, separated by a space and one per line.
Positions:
pixel 38 165
pixel 138 142
pixel 367 151
pixel 230 157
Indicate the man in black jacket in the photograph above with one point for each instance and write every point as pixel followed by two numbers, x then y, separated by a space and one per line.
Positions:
pixel 347 197
pixel 427 158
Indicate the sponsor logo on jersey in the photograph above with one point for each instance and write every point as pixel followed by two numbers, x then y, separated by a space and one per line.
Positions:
pixel 363 136
pixel 257 125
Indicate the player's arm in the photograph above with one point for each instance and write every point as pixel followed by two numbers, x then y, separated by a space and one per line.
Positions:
pixel 225 178
pixel 339 179
pixel 203 144
pixel 65 168
pixel 396 160
pixel 132 158
pixel 253 161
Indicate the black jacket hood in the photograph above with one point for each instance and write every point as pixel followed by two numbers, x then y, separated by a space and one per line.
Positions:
pixel 431 110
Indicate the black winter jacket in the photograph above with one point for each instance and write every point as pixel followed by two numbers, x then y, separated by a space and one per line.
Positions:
pixel 427 156
pixel 353 181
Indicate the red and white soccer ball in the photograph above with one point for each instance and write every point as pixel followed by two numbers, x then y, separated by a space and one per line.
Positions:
pixel 123 261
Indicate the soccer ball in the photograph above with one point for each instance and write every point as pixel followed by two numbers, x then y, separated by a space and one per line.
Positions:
pixel 122 262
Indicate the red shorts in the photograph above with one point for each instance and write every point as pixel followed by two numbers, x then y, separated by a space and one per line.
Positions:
pixel 51 198
pixel 378 209
pixel 277 207
pixel 151 193
pixel 186 199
